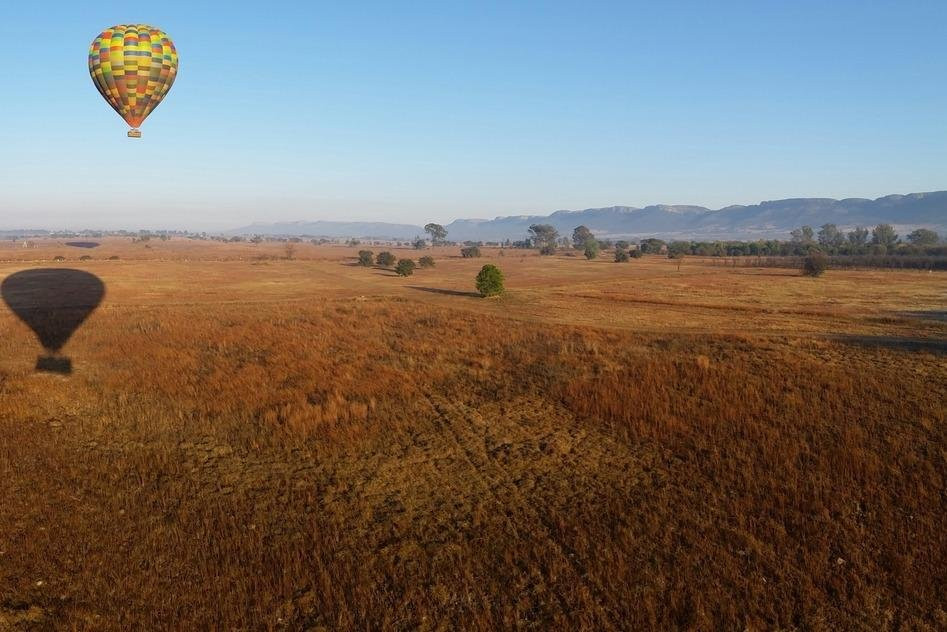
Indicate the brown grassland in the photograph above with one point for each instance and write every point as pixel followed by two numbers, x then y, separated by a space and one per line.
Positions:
pixel 249 442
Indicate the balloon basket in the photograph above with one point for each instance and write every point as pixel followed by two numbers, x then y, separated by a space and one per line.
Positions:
pixel 53 364
pixel 134 133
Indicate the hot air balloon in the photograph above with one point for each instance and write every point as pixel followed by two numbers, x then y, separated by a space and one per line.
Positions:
pixel 133 67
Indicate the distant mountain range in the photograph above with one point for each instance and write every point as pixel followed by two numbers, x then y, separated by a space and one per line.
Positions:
pixel 773 219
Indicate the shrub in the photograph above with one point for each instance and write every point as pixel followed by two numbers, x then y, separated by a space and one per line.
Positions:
pixel 620 256
pixel 405 267
pixel 815 264
pixel 591 249
pixel 85 258
pixel 426 261
pixel 385 259
pixel 635 254
pixel 113 258
pixel 490 281
pixel 470 252
pixel 365 257
pixel 547 250
pixel 59 258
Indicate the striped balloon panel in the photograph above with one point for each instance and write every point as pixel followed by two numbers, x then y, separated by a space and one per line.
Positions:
pixel 133 67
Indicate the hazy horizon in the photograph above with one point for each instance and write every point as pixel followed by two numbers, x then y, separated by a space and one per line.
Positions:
pixel 434 113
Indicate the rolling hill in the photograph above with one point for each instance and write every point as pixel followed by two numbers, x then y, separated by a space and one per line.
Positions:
pixel 770 219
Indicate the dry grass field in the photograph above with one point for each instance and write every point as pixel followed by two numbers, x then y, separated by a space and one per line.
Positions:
pixel 250 442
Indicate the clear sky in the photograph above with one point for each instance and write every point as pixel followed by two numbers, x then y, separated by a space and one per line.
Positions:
pixel 415 112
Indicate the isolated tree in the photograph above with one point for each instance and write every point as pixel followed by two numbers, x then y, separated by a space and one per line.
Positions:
pixel 803 235
pixel 580 237
pixel 419 244
pixel 385 259
pixel 426 261
pixel 405 267
pixel 830 236
pixel 924 237
pixel 884 235
pixel 365 258
pixel 437 232
pixel 543 236
pixel 470 252
pixel 591 249
pixel 489 281
pixel 858 236
pixel 620 255
pixel 815 264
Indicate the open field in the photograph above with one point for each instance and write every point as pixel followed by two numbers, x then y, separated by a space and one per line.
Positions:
pixel 249 442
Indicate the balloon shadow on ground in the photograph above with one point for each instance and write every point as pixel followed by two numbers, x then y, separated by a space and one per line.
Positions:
pixel 83 244
pixel 53 302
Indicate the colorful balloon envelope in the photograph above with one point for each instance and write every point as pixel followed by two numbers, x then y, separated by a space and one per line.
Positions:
pixel 133 67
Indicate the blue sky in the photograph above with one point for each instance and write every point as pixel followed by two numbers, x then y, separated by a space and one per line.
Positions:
pixel 433 111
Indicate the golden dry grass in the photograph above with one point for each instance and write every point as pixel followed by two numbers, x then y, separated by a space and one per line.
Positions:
pixel 253 443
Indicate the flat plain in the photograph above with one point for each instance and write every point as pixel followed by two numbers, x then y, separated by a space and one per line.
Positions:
pixel 249 441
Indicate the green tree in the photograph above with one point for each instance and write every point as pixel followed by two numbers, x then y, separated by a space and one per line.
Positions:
pixel 924 237
pixel 591 249
pixel 883 234
pixel 620 255
pixel 858 236
pixel 365 258
pixel 679 248
pixel 437 232
pixel 652 246
pixel 803 235
pixel 489 281
pixel 635 253
pixel 426 261
pixel 385 259
pixel 830 236
pixel 580 236
pixel 405 267
pixel 543 235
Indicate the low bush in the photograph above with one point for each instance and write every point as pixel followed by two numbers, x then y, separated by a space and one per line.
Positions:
pixel 489 281
pixel 815 264
pixel 405 267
